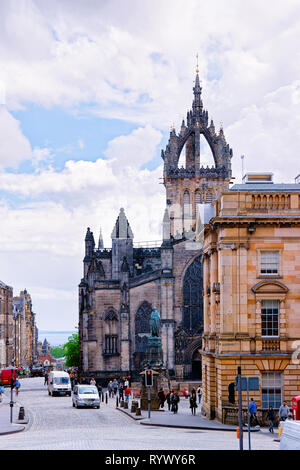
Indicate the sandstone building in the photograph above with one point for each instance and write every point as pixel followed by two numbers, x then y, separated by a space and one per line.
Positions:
pixel 6 326
pixel 121 284
pixel 251 263
pixel 25 330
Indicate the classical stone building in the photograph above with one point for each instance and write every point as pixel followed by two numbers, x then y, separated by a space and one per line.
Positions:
pixel 25 331
pixel 6 326
pixel 121 284
pixel 251 295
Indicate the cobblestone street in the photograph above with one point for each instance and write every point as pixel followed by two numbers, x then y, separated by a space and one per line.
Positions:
pixel 55 424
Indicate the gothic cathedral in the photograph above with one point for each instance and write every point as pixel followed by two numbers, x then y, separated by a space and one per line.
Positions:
pixel 122 283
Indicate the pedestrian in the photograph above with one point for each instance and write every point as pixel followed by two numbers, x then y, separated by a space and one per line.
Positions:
pixel 193 402
pixel 99 387
pixel 46 378
pixel 284 411
pixel 17 385
pixel 271 418
pixel 2 391
pixel 92 381
pixel 110 389
pixel 121 392
pixel 168 399
pixel 127 393
pixel 175 400
pixel 126 383
pixel 199 393
pixel 162 398
pixel 115 386
pixel 252 410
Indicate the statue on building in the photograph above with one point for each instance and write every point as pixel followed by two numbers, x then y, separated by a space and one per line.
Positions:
pixel 155 323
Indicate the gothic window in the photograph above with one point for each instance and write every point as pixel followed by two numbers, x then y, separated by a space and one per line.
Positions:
pixel 111 327
pixel 186 203
pixel 197 200
pixel 142 331
pixel 192 296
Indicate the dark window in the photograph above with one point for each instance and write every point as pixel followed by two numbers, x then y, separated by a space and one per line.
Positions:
pixel 111 344
pixel 270 318
pixel 192 296
pixel 142 331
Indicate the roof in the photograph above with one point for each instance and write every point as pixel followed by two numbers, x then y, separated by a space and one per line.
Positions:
pixel 2 284
pixel 266 188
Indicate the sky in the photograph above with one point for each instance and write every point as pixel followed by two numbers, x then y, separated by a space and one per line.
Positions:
pixel 88 92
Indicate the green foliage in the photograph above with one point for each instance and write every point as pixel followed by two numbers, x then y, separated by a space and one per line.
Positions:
pixel 57 352
pixel 71 351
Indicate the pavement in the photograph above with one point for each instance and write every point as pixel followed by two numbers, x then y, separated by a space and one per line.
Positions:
pixel 6 427
pixel 183 419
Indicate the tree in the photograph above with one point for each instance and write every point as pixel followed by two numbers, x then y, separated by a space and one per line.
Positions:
pixel 57 352
pixel 71 351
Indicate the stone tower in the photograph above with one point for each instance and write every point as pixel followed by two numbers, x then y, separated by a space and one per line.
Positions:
pixel 194 184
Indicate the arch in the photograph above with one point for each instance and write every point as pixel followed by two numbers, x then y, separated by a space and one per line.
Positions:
pixel 269 286
pixel 111 314
pixel 192 286
pixel 190 133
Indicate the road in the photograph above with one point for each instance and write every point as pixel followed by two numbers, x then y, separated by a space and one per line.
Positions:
pixel 55 425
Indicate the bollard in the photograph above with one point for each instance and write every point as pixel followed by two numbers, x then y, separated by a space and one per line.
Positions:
pixel 134 406
pixel 21 413
pixel 238 433
pixel 138 412
pixel 102 396
pixel 125 405
pixel 122 403
pixel 106 398
pixel 117 402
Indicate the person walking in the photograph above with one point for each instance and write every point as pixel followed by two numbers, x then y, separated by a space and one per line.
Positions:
pixel 121 392
pixel 168 399
pixel 253 410
pixel 46 378
pixel 127 393
pixel 199 393
pixel 284 411
pixel 162 398
pixel 175 400
pixel 115 386
pixel 271 417
pixel 2 391
pixel 193 402
pixel 110 389
pixel 17 385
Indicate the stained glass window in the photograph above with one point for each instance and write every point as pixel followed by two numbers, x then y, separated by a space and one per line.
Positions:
pixel 192 295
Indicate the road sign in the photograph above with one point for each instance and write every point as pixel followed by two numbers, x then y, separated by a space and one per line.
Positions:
pixel 253 384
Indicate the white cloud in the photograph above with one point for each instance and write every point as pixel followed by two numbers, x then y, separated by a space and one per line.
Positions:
pixel 14 146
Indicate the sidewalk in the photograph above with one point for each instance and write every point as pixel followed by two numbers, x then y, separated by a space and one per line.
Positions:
pixel 183 419
pixel 6 427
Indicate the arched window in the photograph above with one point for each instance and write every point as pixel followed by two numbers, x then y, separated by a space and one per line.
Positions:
pixel 192 296
pixel 142 331
pixel 111 333
pixel 186 203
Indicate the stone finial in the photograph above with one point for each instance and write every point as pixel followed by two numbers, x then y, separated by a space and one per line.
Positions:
pixel 122 228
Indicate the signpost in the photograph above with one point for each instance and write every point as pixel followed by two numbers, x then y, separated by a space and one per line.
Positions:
pixel 149 383
pixel 248 384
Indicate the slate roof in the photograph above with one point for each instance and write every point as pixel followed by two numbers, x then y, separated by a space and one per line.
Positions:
pixel 266 188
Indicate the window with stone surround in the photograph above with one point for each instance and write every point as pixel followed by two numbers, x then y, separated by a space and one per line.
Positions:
pixel 271 389
pixel 269 263
pixel 270 318
pixel 111 344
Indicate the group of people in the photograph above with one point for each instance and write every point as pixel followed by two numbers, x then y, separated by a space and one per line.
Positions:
pixel 283 414
pixel 116 388
pixel 172 398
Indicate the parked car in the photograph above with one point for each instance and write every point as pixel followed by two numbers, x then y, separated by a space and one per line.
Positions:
pixel 37 371
pixel 85 396
pixel 59 383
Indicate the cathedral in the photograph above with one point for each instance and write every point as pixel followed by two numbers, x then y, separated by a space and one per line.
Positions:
pixel 121 284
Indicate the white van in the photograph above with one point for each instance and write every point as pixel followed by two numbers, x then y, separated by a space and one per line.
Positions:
pixel 59 383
